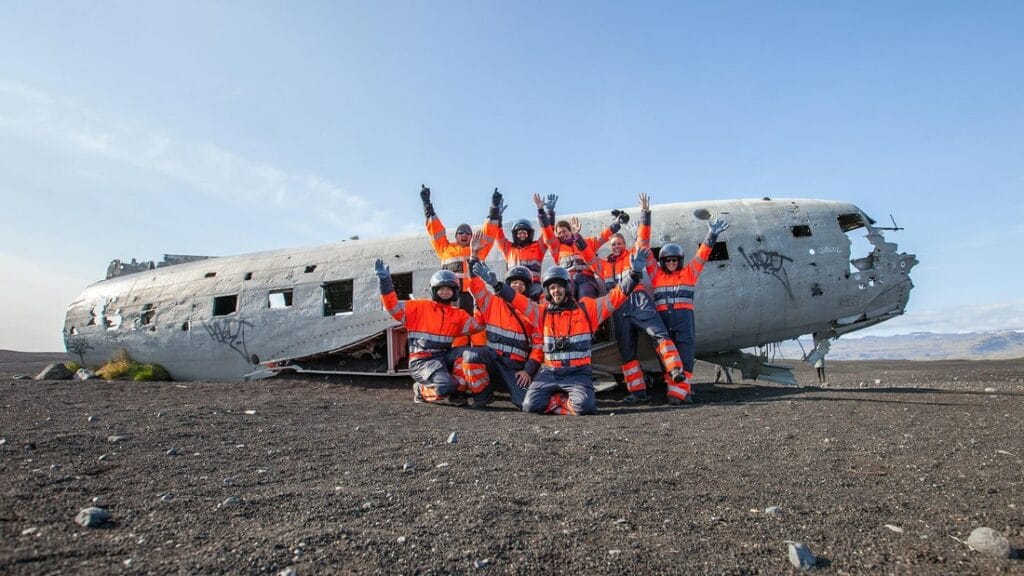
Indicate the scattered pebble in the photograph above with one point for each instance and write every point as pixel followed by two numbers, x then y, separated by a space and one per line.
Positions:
pixel 250 412
pixel 453 437
pixel 408 467
pixel 172 452
pixel 773 510
pixel 166 497
pixel 115 439
pixel 478 564
pixel 54 466
pixel 159 414
pixel 91 419
pixel 367 505
pixel 614 552
pixel 990 389
pixel 97 500
pixel 878 380
pixel 401 539
pixel 442 465
pixel 3 441
pixel 229 481
pixel 289 571
pixel 895 528
pixel 231 501
pixel 989 542
pixel 29 531
pixel 800 555
pixel 103 458
pixel 92 517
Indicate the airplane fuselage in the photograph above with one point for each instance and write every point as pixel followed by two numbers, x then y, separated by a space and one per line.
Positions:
pixel 783 269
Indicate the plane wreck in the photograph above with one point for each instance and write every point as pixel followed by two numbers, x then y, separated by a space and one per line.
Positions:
pixel 785 268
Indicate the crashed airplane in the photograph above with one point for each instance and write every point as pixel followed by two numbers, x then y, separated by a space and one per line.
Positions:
pixel 785 268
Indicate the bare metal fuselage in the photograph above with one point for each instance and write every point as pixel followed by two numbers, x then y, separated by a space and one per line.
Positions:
pixel 782 270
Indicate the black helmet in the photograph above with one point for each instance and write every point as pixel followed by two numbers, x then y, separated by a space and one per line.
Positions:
pixel 555 274
pixel 670 250
pixel 522 224
pixel 443 278
pixel 520 273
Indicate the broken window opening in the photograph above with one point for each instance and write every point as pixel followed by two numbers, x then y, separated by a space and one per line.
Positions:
pixel 185 326
pixel 248 276
pixel 148 312
pixel 74 331
pixel 403 284
pixel 720 251
pixel 279 299
pixel 224 305
pixel 801 231
pixel 848 222
pixel 862 251
pixel 337 297
pixel 310 268
pixel 210 275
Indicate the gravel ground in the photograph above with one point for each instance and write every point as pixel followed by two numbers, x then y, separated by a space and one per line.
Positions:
pixel 885 471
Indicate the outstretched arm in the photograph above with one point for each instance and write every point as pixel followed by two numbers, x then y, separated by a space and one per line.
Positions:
pixel 393 306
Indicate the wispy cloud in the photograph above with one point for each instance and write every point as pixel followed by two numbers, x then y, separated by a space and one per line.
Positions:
pixel 34 115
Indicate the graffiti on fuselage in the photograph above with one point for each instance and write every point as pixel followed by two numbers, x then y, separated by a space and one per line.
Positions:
pixel 770 262
pixel 79 346
pixel 230 332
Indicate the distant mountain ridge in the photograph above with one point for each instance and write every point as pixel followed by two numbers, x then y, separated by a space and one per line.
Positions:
pixel 919 346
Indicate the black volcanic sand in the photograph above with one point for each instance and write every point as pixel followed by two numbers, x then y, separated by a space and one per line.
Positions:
pixel 934 448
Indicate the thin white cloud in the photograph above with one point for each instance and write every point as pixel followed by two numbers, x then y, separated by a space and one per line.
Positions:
pixel 33 115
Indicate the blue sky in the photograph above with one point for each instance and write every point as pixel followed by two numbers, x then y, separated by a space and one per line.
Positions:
pixel 134 129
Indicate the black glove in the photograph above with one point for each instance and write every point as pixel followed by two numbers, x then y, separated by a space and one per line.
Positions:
pixel 484 273
pixel 428 208
pixel 383 276
pixel 638 262
pixel 621 215
pixel 497 208
pixel 715 227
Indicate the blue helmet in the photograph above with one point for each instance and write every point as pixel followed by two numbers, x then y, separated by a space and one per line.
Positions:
pixel 443 278
pixel 670 250
pixel 520 273
pixel 522 224
pixel 555 274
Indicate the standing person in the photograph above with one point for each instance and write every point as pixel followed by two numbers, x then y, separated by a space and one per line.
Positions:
pixel 674 286
pixel 514 345
pixel 567 326
pixel 637 313
pixel 433 325
pixel 523 249
pixel 566 252
pixel 819 367
pixel 454 256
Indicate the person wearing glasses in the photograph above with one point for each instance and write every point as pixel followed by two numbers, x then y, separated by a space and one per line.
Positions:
pixel 674 286
pixel 454 256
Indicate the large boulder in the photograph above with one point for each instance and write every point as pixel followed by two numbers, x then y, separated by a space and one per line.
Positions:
pixel 55 371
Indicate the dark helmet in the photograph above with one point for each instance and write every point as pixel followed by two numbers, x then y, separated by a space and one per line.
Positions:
pixel 670 250
pixel 522 224
pixel 520 273
pixel 463 229
pixel 443 278
pixel 555 274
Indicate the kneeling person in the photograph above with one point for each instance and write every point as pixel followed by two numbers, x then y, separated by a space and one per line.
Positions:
pixel 567 326
pixel 432 326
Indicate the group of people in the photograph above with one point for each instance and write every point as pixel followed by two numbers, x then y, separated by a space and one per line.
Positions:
pixel 530 332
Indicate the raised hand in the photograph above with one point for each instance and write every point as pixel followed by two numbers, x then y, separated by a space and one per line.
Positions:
pixel 381 269
pixel 644 201
pixel 550 201
pixel 574 225
pixel 639 260
pixel 717 226
pixel 538 201
pixel 484 273
pixel 425 194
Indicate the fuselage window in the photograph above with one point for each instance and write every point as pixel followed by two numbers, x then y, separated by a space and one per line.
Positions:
pixel 801 231
pixel 403 285
pixel 224 305
pixel 148 312
pixel 310 268
pixel 337 297
pixel 720 251
pixel 280 299
pixel 849 222
pixel 210 274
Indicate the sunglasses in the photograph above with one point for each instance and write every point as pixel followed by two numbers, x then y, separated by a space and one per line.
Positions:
pixel 464 233
pixel 671 259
